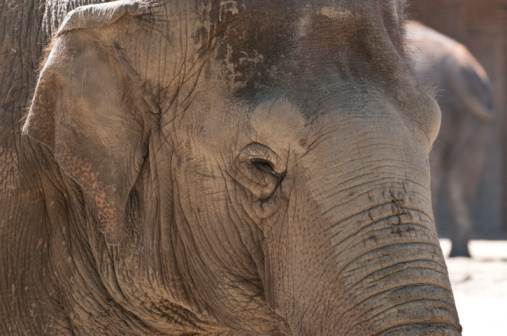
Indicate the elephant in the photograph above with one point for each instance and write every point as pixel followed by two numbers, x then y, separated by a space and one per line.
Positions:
pixel 466 101
pixel 223 168
pixel 480 25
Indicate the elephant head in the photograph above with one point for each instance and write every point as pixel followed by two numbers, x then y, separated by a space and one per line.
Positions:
pixel 256 167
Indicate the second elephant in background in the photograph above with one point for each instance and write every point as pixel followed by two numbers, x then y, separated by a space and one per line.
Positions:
pixel 465 98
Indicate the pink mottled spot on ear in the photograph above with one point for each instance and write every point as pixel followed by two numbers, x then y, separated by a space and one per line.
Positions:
pixel 39 123
pixel 107 216
pixel 107 211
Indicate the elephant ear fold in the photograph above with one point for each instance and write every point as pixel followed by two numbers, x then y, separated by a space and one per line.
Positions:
pixel 94 16
pixel 83 109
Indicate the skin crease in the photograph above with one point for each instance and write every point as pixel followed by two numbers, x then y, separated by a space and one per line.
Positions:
pixel 233 168
pixel 466 99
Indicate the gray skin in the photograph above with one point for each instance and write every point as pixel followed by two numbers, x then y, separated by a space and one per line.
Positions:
pixel 465 98
pixel 226 168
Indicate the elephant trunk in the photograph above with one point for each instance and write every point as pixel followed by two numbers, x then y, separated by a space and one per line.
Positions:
pixel 385 280
pixel 395 289
pixel 362 257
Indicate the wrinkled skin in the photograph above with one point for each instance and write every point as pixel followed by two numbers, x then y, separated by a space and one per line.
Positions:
pixel 466 101
pixel 232 168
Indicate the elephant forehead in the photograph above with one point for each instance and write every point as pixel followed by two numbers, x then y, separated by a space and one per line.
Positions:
pixel 272 39
pixel 279 123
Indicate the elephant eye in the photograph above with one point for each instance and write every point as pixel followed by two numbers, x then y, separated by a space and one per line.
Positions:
pixel 264 166
pixel 259 169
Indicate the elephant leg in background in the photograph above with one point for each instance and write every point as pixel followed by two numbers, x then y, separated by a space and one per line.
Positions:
pixel 462 177
pixel 459 206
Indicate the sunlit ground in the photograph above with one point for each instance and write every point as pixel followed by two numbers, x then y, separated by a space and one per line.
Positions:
pixel 480 287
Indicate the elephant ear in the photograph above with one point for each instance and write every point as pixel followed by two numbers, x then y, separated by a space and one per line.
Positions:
pixel 82 109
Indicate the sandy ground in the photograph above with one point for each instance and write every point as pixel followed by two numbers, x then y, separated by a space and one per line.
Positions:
pixel 480 287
